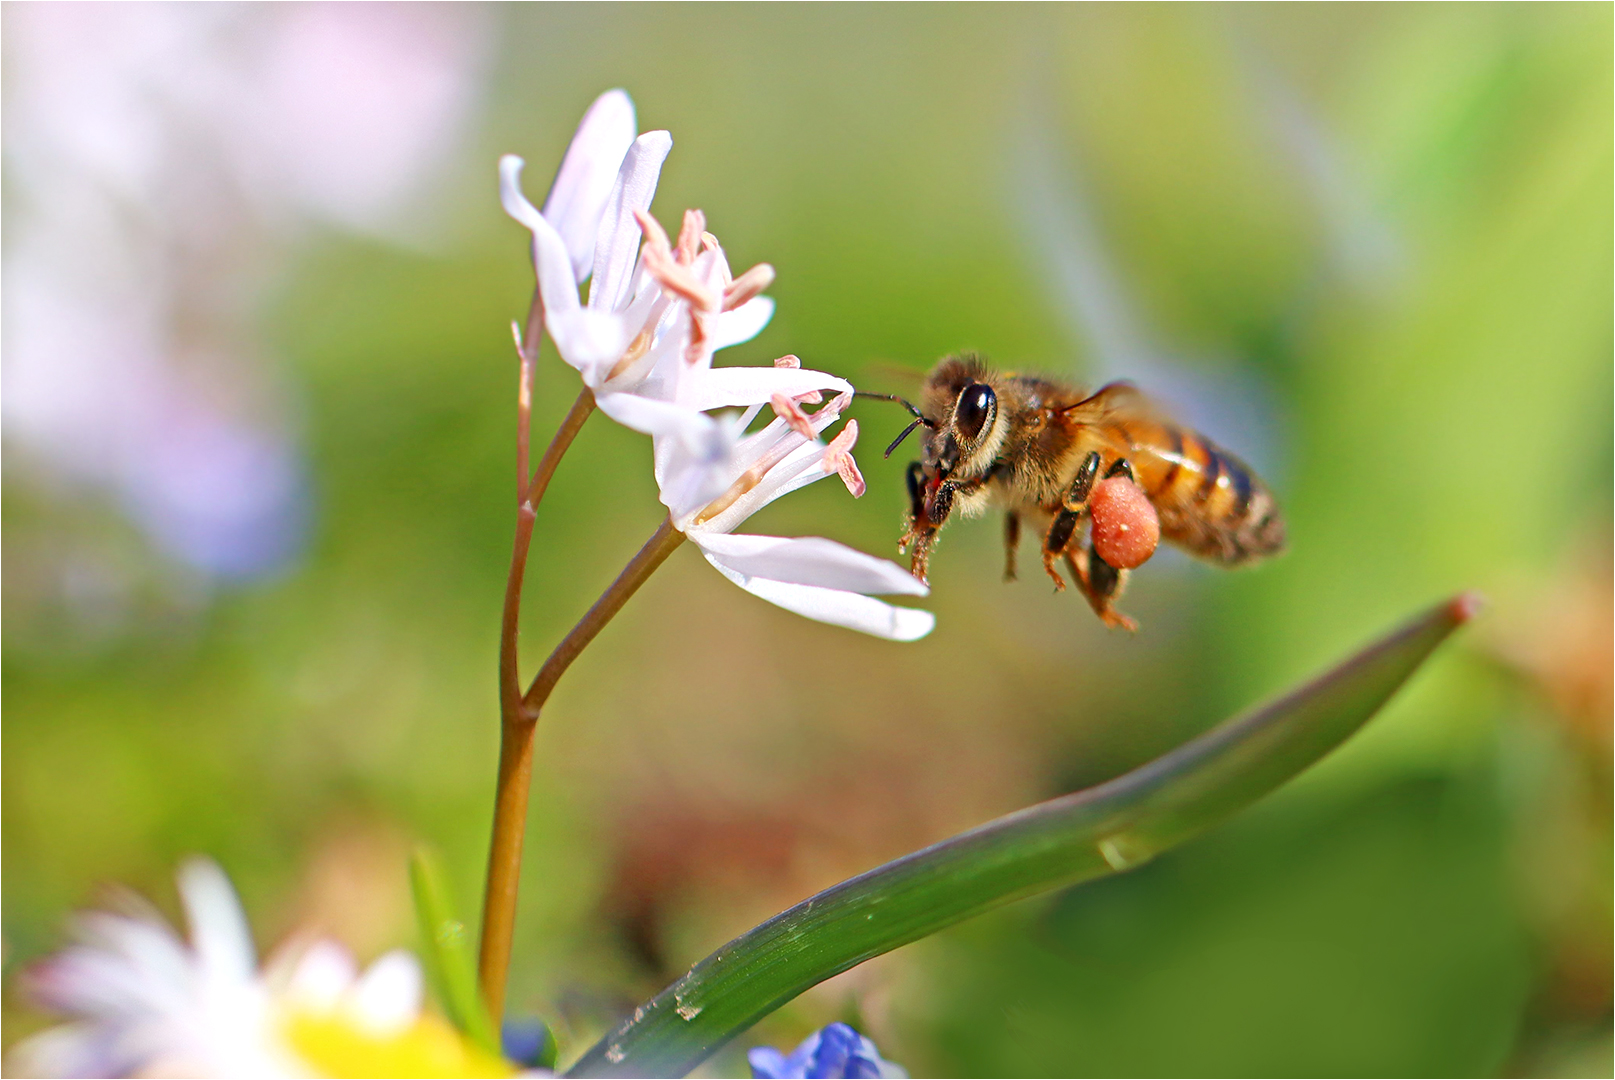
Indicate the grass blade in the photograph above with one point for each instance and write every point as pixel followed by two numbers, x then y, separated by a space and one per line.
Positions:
pixel 447 952
pixel 1088 834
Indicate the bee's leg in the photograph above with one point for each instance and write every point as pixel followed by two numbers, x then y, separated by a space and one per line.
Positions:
pixel 1012 539
pixel 927 516
pixel 1055 541
pixel 916 506
pixel 916 489
pixel 1082 485
pixel 1120 467
pixel 1065 521
pixel 1101 583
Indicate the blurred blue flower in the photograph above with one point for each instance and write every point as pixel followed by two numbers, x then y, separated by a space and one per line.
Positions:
pixel 834 1051
pixel 527 1041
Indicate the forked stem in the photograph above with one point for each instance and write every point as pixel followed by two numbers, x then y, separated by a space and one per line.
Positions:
pixel 516 755
pixel 662 543
pixel 517 723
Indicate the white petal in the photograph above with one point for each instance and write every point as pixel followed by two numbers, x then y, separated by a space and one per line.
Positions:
pixel 388 997
pixel 583 183
pixel 807 560
pixel 219 931
pixel 550 259
pixel 742 324
pixel 618 243
pixel 694 452
pixel 322 975
pixel 851 610
pixel 510 191
pixel 663 419
pixel 591 341
pixel 728 387
pixel 799 468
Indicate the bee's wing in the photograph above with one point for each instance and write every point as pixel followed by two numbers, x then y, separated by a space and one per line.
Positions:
pixel 1113 411
pixel 1116 402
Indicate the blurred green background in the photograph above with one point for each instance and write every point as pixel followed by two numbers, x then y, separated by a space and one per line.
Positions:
pixel 1369 247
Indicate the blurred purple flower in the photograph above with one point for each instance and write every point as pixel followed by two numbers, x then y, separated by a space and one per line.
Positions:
pixel 159 158
pixel 834 1051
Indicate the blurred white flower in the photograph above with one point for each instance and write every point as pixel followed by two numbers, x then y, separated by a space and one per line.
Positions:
pixel 141 1001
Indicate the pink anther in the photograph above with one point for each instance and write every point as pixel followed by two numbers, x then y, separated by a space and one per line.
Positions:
pixel 792 413
pixel 838 456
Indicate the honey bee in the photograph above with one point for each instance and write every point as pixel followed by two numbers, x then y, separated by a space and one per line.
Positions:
pixel 1039 449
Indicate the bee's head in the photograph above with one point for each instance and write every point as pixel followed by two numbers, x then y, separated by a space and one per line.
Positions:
pixel 959 397
pixel 971 425
pixel 959 410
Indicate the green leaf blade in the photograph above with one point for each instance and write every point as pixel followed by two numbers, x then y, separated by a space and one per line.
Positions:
pixel 447 953
pixel 1101 830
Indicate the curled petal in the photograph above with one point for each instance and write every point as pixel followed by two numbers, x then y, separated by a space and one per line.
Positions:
pixel 631 196
pixel 835 606
pixel 807 560
pixel 510 191
pixel 550 259
pixel 709 243
pixel 583 184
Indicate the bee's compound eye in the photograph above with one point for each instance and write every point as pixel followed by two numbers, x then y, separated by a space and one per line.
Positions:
pixel 976 404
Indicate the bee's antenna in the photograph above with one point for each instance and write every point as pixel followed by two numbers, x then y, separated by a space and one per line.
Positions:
pixel 919 417
pixel 909 405
pixel 905 433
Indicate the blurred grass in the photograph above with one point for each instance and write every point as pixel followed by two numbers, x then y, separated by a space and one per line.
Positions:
pixel 1448 423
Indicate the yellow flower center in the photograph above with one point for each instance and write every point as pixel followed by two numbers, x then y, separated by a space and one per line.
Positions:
pixel 335 1045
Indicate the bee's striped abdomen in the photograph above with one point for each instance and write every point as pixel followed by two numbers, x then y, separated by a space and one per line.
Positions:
pixel 1209 501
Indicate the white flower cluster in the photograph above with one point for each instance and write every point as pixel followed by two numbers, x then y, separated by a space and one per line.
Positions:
pixel 657 311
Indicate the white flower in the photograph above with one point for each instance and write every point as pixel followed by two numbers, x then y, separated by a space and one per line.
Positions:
pixel 142 1001
pixel 644 343
pixel 618 341
pixel 811 576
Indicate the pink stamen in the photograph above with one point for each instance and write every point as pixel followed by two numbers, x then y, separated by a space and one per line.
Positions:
pixel 827 415
pixel 694 228
pixel 790 412
pixel 654 233
pixel 698 336
pixel 791 360
pixel 747 285
pixel 657 259
pixel 838 456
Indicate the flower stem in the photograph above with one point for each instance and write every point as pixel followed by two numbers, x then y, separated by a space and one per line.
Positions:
pixel 521 720
pixel 655 552
pixel 504 863
pixel 517 722
pixel 570 426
